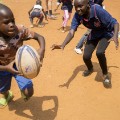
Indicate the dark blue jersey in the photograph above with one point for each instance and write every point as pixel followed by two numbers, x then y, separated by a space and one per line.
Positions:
pixel 99 2
pixel 100 21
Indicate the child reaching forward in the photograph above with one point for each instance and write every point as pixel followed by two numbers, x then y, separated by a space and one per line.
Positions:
pixel 37 11
pixel 11 38
pixel 102 31
pixel 67 9
pixel 84 37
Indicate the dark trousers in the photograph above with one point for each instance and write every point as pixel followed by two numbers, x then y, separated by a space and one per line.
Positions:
pixel 38 15
pixel 90 46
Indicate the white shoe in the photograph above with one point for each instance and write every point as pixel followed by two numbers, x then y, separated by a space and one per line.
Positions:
pixel 32 26
pixel 78 50
pixel 119 34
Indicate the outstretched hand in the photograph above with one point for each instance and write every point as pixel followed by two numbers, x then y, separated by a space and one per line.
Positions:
pixel 54 46
pixel 115 39
pixel 65 85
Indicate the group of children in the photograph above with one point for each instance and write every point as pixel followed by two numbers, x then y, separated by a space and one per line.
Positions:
pixel 12 36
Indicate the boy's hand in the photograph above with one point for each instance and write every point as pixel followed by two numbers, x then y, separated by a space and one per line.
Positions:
pixel 10 68
pixel 41 54
pixel 54 46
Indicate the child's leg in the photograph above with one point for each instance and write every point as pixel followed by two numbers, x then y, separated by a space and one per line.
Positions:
pixel 65 20
pixel 81 42
pixel 50 7
pixel 46 5
pixel 25 86
pixel 102 46
pixel 83 39
pixel 32 15
pixel 5 84
pixel 40 21
pixel 69 15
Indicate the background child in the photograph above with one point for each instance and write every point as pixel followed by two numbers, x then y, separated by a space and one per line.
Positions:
pixel 37 12
pixel 11 38
pixel 49 12
pixel 84 37
pixel 102 30
pixel 67 8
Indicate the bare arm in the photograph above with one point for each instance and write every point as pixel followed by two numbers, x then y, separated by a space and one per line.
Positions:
pixel 45 14
pixel 41 42
pixel 68 38
pixel 115 37
pixel 30 11
pixel 58 4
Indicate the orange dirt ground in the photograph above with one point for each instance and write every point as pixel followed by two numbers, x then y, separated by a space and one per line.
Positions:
pixel 85 98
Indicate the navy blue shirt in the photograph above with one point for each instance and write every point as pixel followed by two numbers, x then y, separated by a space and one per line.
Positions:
pixel 99 2
pixel 100 22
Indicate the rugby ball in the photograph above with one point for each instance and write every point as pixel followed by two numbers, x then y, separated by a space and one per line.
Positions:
pixel 27 61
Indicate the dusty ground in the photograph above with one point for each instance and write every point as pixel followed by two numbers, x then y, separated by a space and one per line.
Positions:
pixel 85 98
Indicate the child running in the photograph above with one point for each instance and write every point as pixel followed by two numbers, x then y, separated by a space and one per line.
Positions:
pixel 67 8
pixel 102 31
pixel 37 12
pixel 11 38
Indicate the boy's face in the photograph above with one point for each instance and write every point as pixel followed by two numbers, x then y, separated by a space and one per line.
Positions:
pixel 7 23
pixel 81 6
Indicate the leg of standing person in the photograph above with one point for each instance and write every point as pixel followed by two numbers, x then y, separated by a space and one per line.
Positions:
pixel 102 46
pixel 49 9
pixel 100 53
pixel 46 4
pixel 65 20
pixel 89 46
pixel 80 44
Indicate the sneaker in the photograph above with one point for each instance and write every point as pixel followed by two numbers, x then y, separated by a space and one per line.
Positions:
pixel 41 25
pixel 107 82
pixel 119 34
pixel 4 101
pixel 63 29
pixel 78 51
pixel 87 72
pixel 51 16
pixel 32 26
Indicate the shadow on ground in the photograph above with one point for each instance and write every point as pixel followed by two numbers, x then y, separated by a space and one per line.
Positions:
pixel 35 108
pixel 80 68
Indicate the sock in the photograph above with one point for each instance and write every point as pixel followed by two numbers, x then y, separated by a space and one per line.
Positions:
pixel 46 12
pixel 50 12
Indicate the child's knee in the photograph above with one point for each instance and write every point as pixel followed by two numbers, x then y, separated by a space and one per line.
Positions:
pixel 28 92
